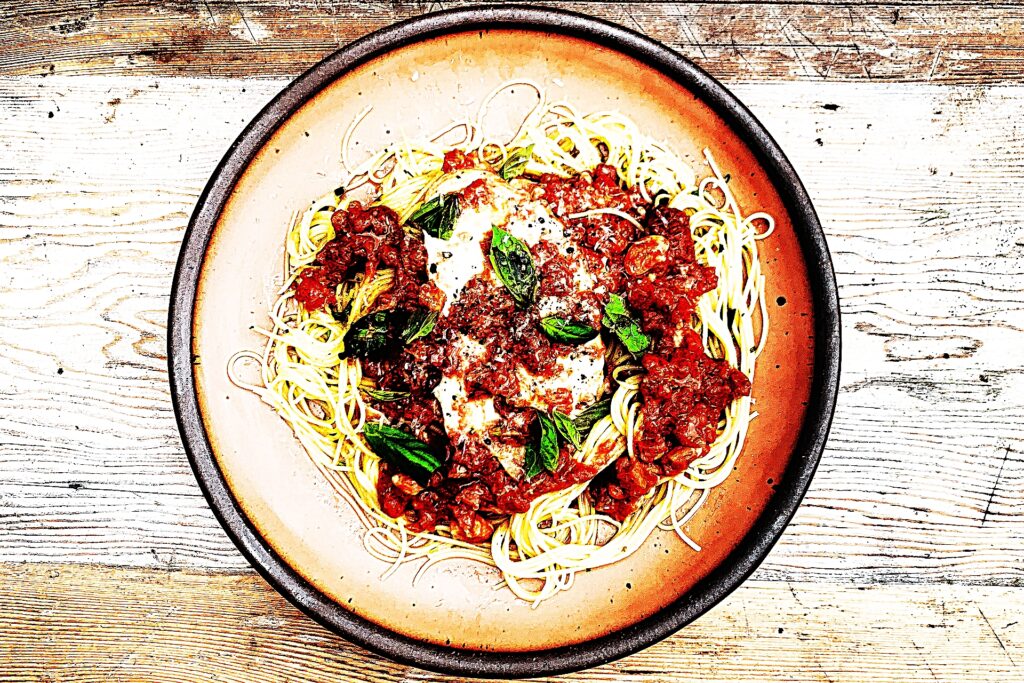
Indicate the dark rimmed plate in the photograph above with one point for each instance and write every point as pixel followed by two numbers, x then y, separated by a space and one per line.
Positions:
pixel 273 504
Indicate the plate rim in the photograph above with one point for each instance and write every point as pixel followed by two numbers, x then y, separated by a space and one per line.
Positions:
pixel 741 561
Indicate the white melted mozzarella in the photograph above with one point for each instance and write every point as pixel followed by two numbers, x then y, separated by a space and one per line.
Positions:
pixel 453 263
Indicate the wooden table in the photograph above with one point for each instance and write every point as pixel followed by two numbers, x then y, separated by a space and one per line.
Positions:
pixel 906 561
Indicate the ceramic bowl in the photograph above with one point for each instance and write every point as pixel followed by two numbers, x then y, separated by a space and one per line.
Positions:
pixel 285 518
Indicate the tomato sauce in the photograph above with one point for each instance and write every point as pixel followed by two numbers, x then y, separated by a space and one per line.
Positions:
pixel 475 195
pixel 684 390
pixel 456 160
pixel 472 486
pixel 367 239
pixel 606 233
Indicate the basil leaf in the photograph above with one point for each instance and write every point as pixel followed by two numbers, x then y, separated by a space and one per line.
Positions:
pixel 513 263
pixel 635 341
pixel 618 319
pixel 567 428
pixel 567 331
pixel 385 395
pixel 616 307
pixel 590 416
pixel 532 466
pixel 548 445
pixel 403 450
pixel 421 323
pixel 373 335
pixel 515 163
pixel 437 217
pixel 342 315
pixel 542 448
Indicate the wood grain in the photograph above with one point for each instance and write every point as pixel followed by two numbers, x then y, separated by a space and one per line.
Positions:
pixel 948 42
pixel 923 479
pixel 905 562
pixel 106 625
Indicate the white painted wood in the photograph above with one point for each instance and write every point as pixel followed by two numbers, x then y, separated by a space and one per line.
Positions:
pixel 919 190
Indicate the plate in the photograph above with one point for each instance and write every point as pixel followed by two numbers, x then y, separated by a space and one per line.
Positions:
pixel 418 76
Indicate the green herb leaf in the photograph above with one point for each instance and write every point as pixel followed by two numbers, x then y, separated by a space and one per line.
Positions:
pixel 403 450
pixel 342 315
pixel 421 323
pixel 548 444
pixel 567 428
pixel 590 416
pixel 513 263
pixel 373 335
pixel 618 319
pixel 542 448
pixel 532 466
pixel 515 163
pixel 385 395
pixel 437 217
pixel 567 331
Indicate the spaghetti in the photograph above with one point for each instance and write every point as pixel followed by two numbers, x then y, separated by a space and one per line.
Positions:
pixel 586 515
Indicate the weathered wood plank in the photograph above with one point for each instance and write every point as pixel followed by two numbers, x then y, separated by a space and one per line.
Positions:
pixel 94 624
pixel 950 42
pixel 923 479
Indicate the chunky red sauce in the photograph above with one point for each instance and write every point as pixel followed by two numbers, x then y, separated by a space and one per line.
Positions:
pixel 472 484
pixel 605 233
pixel 367 239
pixel 456 160
pixel 684 391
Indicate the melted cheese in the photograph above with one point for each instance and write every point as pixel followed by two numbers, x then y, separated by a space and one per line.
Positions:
pixel 453 263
